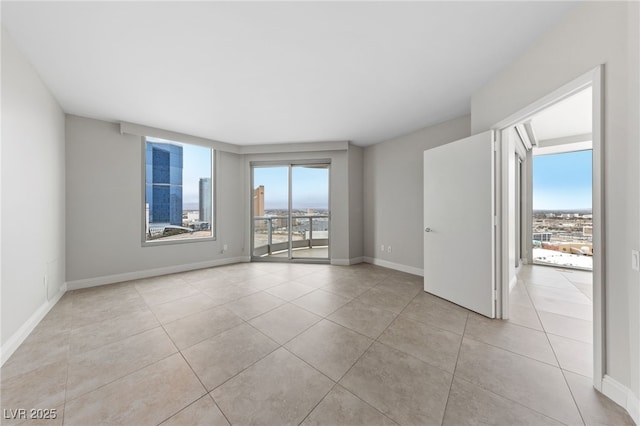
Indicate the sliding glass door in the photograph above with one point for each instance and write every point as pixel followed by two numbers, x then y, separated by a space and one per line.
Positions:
pixel 290 212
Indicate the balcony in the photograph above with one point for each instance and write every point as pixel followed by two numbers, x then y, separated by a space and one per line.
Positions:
pixel 309 236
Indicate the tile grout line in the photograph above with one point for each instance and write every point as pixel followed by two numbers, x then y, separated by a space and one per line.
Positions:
pixel 499 395
pixel 207 392
pixel 515 353
pixel 66 382
pixel 510 400
pixel 453 375
pixel 336 383
pixel 559 365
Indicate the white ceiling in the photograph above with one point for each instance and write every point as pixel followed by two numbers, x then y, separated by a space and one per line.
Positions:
pixel 266 72
pixel 569 117
pixel 565 126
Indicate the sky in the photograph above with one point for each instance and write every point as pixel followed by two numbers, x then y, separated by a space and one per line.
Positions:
pixel 562 181
pixel 310 188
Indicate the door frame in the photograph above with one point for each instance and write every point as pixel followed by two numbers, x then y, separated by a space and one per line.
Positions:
pixel 289 164
pixel 595 79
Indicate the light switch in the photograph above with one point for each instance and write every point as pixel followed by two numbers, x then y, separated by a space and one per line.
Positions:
pixel 635 260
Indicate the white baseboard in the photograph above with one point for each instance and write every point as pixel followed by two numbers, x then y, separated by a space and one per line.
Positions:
pixel 622 396
pixel 136 275
pixel 396 266
pixel 23 332
pixel 347 262
pixel 633 408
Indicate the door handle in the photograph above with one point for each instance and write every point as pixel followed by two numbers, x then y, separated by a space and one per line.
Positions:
pixel 427 229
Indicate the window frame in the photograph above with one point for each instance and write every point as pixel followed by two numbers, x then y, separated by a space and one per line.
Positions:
pixel 143 208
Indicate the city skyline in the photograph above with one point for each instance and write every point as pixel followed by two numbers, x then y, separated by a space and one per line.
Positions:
pixel 196 165
pixel 310 188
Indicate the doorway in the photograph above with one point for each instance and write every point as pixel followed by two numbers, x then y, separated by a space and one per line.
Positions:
pixel 564 131
pixel 290 212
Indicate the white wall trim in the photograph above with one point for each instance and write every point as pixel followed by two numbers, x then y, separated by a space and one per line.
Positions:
pixel 396 266
pixel 622 396
pixel 356 260
pixel 23 332
pixel 136 275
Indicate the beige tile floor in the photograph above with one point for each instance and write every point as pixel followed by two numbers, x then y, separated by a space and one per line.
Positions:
pixel 280 344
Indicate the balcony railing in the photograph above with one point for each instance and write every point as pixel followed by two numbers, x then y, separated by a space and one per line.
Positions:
pixel 271 233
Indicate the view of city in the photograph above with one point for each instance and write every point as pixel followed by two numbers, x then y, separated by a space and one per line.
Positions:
pixel 562 211
pixel 563 237
pixel 304 229
pixel 178 191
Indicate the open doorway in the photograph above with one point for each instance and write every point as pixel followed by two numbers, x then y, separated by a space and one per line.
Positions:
pixel 552 223
pixel 562 216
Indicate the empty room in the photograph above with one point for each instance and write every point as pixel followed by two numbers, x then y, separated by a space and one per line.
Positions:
pixel 320 213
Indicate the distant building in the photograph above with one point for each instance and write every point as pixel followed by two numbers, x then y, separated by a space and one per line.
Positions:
pixel 163 183
pixel 542 236
pixel 192 216
pixel 258 208
pixel 258 201
pixel 205 200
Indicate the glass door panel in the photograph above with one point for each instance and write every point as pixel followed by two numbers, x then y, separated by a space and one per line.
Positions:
pixel 271 236
pixel 310 211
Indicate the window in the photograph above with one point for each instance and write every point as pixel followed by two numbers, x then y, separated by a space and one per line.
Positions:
pixel 178 191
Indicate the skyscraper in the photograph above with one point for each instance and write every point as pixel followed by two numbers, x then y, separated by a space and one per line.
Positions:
pixel 205 200
pixel 163 183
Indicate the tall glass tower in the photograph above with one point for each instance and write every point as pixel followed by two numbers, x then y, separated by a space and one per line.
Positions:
pixel 164 183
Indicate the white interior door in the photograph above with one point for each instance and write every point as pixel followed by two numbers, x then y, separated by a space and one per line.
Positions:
pixel 458 220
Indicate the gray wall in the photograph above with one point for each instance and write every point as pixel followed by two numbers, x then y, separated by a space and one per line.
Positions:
pixel 33 192
pixel 104 207
pixel 393 193
pixel 594 33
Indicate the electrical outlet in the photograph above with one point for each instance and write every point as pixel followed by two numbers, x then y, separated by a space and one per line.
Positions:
pixel 389 249
pixel 381 247
pixel 46 286
pixel 225 247
pixel 635 260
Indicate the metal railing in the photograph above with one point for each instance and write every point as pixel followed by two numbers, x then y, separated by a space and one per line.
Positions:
pixel 271 233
